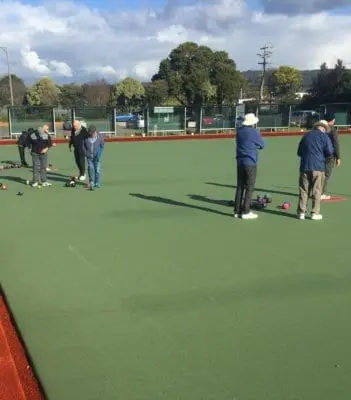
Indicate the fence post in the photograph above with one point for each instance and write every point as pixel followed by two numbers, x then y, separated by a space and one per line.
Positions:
pixel 53 117
pixel 147 125
pixel 200 120
pixel 73 114
pixel 289 123
pixel 185 116
pixel 9 117
pixel 114 122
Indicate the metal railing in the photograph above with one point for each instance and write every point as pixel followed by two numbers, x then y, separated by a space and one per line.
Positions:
pixel 165 120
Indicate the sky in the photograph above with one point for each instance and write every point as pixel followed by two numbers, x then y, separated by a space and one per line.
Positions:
pixel 84 40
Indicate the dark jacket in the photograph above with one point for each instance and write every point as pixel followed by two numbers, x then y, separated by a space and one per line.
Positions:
pixel 23 138
pixel 334 137
pixel 38 141
pixel 93 147
pixel 248 142
pixel 77 138
pixel 314 148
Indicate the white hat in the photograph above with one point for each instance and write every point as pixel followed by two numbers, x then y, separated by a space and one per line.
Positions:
pixel 250 119
pixel 322 124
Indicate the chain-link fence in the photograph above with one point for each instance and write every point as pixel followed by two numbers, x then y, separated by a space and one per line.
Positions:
pixel 104 118
pixel 166 119
pixel 342 113
pixel 156 121
pixel 22 118
pixel 217 118
pixel 273 116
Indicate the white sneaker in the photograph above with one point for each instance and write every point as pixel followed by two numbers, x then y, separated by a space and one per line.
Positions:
pixel 250 215
pixel 35 184
pixel 46 184
pixel 82 178
pixel 236 215
pixel 301 216
pixel 325 197
pixel 316 217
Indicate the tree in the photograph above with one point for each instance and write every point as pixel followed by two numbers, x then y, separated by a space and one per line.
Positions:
pixel 196 75
pixel 129 94
pixel 18 88
pixel 72 96
pixel 156 93
pixel 320 85
pixel 227 79
pixel 43 93
pixel 285 82
pixel 97 93
pixel 330 85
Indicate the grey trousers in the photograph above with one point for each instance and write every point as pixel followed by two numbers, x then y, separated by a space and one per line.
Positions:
pixel 328 171
pixel 40 163
pixel 310 185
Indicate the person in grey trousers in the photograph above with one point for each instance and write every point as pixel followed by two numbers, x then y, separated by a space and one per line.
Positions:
pixel 93 147
pixel 40 142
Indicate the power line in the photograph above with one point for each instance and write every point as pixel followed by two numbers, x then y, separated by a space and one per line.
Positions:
pixel 265 55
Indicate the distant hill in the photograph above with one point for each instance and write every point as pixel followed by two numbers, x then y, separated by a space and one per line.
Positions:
pixel 254 77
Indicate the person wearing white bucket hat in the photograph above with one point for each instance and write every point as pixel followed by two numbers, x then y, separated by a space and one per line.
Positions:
pixel 314 148
pixel 248 142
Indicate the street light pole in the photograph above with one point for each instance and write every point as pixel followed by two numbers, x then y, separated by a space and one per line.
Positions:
pixel 4 49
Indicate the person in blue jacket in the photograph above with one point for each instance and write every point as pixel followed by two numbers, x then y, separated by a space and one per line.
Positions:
pixel 93 146
pixel 248 142
pixel 314 149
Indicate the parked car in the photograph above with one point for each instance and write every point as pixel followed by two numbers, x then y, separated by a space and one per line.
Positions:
pixel 303 118
pixel 206 121
pixel 136 122
pixel 124 117
pixel 67 123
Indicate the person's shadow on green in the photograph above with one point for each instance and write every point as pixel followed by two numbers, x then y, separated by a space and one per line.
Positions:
pixel 164 200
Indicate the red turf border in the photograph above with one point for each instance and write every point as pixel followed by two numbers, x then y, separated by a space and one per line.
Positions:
pixel 17 379
pixel 4 142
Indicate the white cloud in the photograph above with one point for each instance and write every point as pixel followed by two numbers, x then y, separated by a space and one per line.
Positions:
pixel 31 61
pixel 71 40
pixel 105 71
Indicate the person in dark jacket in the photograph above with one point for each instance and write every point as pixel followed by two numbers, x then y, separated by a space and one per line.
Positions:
pixel 22 145
pixel 334 159
pixel 93 147
pixel 78 135
pixel 40 142
pixel 248 142
pixel 314 149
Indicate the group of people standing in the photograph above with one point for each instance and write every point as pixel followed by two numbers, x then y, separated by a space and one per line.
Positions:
pixel 87 144
pixel 319 152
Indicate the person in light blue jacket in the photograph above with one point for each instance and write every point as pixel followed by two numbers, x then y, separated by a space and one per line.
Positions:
pixel 93 147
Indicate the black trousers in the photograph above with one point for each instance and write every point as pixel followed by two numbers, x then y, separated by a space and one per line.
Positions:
pixel 79 158
pixel 328 171
pixel 22 155
pixel 246 180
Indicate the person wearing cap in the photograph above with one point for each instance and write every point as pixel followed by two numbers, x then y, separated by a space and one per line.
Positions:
pixel 248 142
pixel 78 135
pixel 93 147
pixel 333 160
pixel 314 148
pixel 39 141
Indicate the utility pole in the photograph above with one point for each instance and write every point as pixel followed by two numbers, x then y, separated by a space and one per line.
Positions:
pixel 4 49
pixel 264 56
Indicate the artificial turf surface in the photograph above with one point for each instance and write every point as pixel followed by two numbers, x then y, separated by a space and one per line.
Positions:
pixel 148 289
